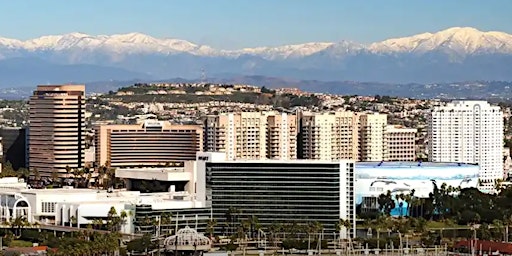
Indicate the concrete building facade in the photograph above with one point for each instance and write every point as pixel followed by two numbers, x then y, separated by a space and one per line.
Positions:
pixel 329 135
pixel 251 135
pixel 372 127
pixel 57 128
pixel 468 132
pixel 399 143
pixel 149 144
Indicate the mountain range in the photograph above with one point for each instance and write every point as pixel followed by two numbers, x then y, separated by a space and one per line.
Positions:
pixel 454 54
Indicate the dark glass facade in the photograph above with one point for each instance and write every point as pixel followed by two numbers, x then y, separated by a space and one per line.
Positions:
pixel 279 193
pixel 14 142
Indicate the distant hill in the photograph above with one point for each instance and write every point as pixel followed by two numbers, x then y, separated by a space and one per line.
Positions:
pixel 460 90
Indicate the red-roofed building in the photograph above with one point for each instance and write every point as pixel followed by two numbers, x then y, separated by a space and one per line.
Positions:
pixel 36 250
pixel 482 246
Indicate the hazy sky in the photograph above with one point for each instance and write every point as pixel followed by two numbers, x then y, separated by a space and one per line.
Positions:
pixel 247 23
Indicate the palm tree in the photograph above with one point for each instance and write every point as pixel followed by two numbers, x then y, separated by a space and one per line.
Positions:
pixel 255 225
pixel 500 229
pixel 73 221
pixel 210 228
pixel 37 175
pixel 113 220
pixel 348 225
pixel 68 171
pixel 18 223
pixel 232 218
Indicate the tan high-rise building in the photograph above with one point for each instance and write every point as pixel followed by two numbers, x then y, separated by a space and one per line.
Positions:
pixel 57 128
pixel 329 135
pixel 371 136
pixel 400 143
pixel 251 135
pixel 281 136
pixel 149 144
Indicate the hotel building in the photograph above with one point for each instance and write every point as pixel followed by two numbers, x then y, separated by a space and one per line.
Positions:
pixel 149 144
pixel 277 191
pixel 56 131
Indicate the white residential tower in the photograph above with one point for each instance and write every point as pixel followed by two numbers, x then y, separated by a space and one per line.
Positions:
pixel 468 132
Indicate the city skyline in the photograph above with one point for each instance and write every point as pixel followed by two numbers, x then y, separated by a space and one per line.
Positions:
pixel 235 25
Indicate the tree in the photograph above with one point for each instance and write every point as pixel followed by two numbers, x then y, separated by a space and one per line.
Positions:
pixel 54 177
pixel 18 223
pixel 386 203
pixel 8 171
pixel 232 219
pixel 36 175
pixel 254 225
pixel 73 221
pixel 113 220
pixel 344 224
pixel 210 227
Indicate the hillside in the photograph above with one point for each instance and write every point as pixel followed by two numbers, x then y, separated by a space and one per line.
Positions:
pixel 172 93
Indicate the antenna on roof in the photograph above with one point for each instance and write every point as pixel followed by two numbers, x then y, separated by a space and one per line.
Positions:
pixel 203 76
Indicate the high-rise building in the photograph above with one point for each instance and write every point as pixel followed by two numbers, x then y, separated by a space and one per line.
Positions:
pixel 468 132
pixel 329 136
pixel 148 144
pixel 281 136
pixel 1 153
pixel 277 191
pixel 399 143
pixel 372 127
pixel 56 130
pixel 251 135
pixel 14 140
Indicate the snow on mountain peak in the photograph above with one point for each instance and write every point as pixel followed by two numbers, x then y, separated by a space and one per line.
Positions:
pixel 286 51
pixel 463 40
pixel 460 40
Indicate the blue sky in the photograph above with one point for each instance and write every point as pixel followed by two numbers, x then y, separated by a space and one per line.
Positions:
pixel 233 24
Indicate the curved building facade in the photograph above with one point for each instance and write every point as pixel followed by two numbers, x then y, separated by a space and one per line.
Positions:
pixel 376 178
pixel 57 128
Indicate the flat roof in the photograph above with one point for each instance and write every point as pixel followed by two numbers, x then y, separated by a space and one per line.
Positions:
pixel 278 161
pixel 411 165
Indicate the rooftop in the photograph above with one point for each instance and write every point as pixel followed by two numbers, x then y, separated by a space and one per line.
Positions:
pixel 410 165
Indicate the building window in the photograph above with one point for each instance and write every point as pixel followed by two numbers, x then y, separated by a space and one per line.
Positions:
pixel 48 207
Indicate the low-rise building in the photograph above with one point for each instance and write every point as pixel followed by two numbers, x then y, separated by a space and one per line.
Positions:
pixel 399 143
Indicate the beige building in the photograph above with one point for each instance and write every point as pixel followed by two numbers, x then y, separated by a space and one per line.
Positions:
pixel 149 144
pixel 400 143
pixel 372 127
pixel 57 128
pixel 251 135
pixel 281 136
pixel 329 135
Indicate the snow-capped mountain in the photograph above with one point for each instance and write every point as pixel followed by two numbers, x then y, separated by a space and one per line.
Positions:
pixel 459 53
pixel 464 40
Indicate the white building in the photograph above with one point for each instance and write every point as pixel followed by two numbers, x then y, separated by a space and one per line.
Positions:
pixel 468 132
